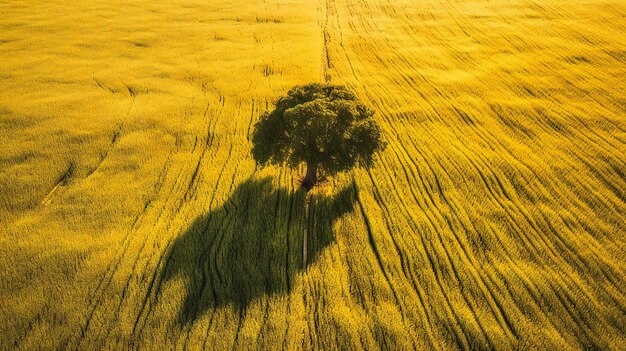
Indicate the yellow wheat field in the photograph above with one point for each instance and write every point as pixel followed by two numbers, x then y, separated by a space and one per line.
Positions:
pixel 132 215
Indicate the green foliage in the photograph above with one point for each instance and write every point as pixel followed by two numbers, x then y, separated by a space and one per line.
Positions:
pixel 320 124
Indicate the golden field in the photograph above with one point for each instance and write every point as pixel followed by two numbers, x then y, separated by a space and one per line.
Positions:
pixel 132 215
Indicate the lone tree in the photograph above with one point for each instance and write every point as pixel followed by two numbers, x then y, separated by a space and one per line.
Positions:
pixel 323 125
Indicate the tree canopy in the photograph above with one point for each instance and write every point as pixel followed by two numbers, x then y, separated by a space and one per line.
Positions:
pixel 323 125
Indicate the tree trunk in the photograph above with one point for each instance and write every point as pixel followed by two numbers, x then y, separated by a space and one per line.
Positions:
pixel 308 182
pixel 310 179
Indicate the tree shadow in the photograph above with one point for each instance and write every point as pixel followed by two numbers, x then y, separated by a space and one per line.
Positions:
pixel 251 246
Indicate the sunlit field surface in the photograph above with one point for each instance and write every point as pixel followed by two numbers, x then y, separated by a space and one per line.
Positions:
pixel 133 216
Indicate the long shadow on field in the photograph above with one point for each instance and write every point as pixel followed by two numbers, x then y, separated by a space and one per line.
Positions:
pixel 251 246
